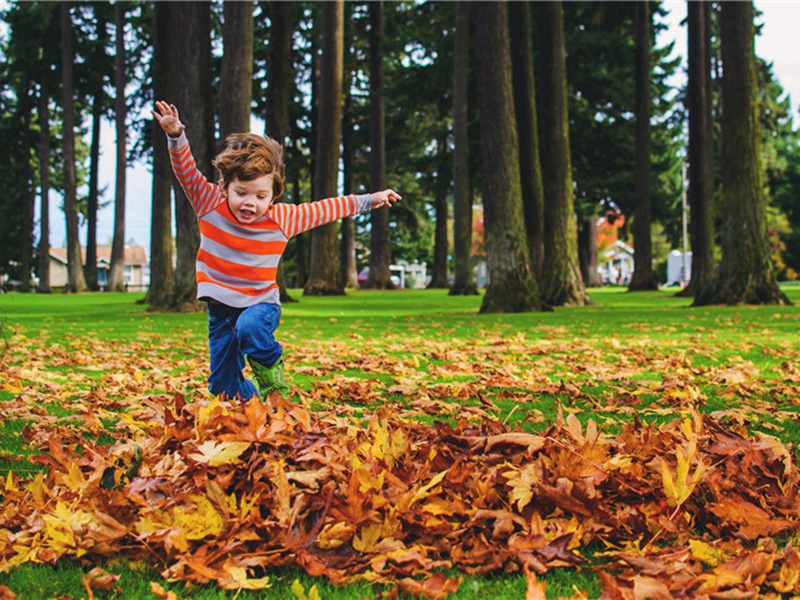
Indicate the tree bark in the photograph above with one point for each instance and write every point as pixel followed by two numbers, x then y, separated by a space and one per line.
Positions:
pixel 439 272
pixel 193 93
pixel 643 277
pixel 90 268
pixel 28 193
pixel 561 282
pixel 324 270
pixel 701 147
pixel 512 287
pixel 587 251
pixel 116 275
pixel 380 256
pixel 236 74
pixel 161 271
pixel 44 184
pixel 521 31
pixel 279 94
pixel 76 281
pixel 745 274
pixel 348 242
pixel 463 280
pixel 98 100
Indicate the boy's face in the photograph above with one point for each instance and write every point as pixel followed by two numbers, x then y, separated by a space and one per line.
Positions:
pixel 249 200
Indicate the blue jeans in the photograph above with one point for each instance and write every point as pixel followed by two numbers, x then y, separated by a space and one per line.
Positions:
pixel 234 333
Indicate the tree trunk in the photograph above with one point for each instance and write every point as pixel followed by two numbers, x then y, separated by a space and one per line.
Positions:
pixel 701 148
pixel 380 255
pixel 347 248
pixel 463 281
pixel 279 94
pixel 161 272
pixel 324 271
pixel 193 93
pixel 90 268
pixel 521 31
pixel 745 274
pixel 301 241
pixel 236 74
pixel 44 183
pixel 76 282
pixel 561 279
pixel 643 277
pixel 28 193
pixel 116 274
pixel 587 251
pixel 439 272
pixel 512 287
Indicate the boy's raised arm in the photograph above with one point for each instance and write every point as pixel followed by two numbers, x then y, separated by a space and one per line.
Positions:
pixel 168 119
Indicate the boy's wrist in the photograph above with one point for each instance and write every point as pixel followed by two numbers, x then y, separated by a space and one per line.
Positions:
pixel 364 202
pixel 177 142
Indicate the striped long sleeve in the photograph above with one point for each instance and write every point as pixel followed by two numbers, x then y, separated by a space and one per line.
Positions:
pixel 237 263
pixel 202 195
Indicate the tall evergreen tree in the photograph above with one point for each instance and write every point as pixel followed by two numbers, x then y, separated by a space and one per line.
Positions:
pixel 192 79
pixel 76 281
pixel 324 276
pixel 44 191
pixel 348 242
pixel 96 75
pixel 643 277
pixel 26 174
pixel 561 282
pixel 521 29
pixel 745 274
pixel 439 269
pixel 159 293
pixel 279 89
pixel 380 246
pixel 236 75
pixel 512 287
pixel 116 275
pixel 463 281
pixel 701 146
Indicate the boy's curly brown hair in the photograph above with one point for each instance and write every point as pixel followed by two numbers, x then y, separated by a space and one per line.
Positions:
pixel 248 156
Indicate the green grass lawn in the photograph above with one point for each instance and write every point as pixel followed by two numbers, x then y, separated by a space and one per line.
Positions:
pixel 631 354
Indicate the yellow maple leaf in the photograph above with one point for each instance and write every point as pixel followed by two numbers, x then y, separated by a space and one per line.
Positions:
pixel 215 454
pixel 522 482
pixel 194 519
pixel 238 580
pixel 425 490
pixel 334 535
pixel 300 592
pixel 366 539
pixel 60 527
pixel 706 553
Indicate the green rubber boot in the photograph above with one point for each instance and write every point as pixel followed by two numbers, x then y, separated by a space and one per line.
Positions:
pixel 269 379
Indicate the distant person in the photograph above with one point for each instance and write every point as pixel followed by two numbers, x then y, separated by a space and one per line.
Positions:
pixel 243 234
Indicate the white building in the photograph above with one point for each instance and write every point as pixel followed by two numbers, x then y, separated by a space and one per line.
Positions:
pixel 616 267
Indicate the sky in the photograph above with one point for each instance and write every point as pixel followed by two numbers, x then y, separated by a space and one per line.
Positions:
pixel 777 44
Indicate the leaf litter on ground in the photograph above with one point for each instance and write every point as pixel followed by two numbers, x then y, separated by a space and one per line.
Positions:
pixel 215 491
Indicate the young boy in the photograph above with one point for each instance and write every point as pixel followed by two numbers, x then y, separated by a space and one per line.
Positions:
pixel 243 234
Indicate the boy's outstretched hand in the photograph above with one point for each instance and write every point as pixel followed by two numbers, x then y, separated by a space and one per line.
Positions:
pixel 167 117
pixel 384 198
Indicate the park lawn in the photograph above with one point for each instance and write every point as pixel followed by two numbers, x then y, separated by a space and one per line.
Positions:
pixel 646 355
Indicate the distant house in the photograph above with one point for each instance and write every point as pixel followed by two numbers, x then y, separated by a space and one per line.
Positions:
pixel 137 267
pixel 616 266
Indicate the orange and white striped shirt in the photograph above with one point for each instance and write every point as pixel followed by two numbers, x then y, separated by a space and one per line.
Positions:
pixel 237 263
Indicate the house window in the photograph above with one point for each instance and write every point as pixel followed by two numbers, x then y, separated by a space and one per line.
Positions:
pixel 128 274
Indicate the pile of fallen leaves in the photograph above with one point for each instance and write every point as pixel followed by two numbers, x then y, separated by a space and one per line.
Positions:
pixel 218 491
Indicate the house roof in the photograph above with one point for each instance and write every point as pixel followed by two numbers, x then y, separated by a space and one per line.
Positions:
pixel 134 255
